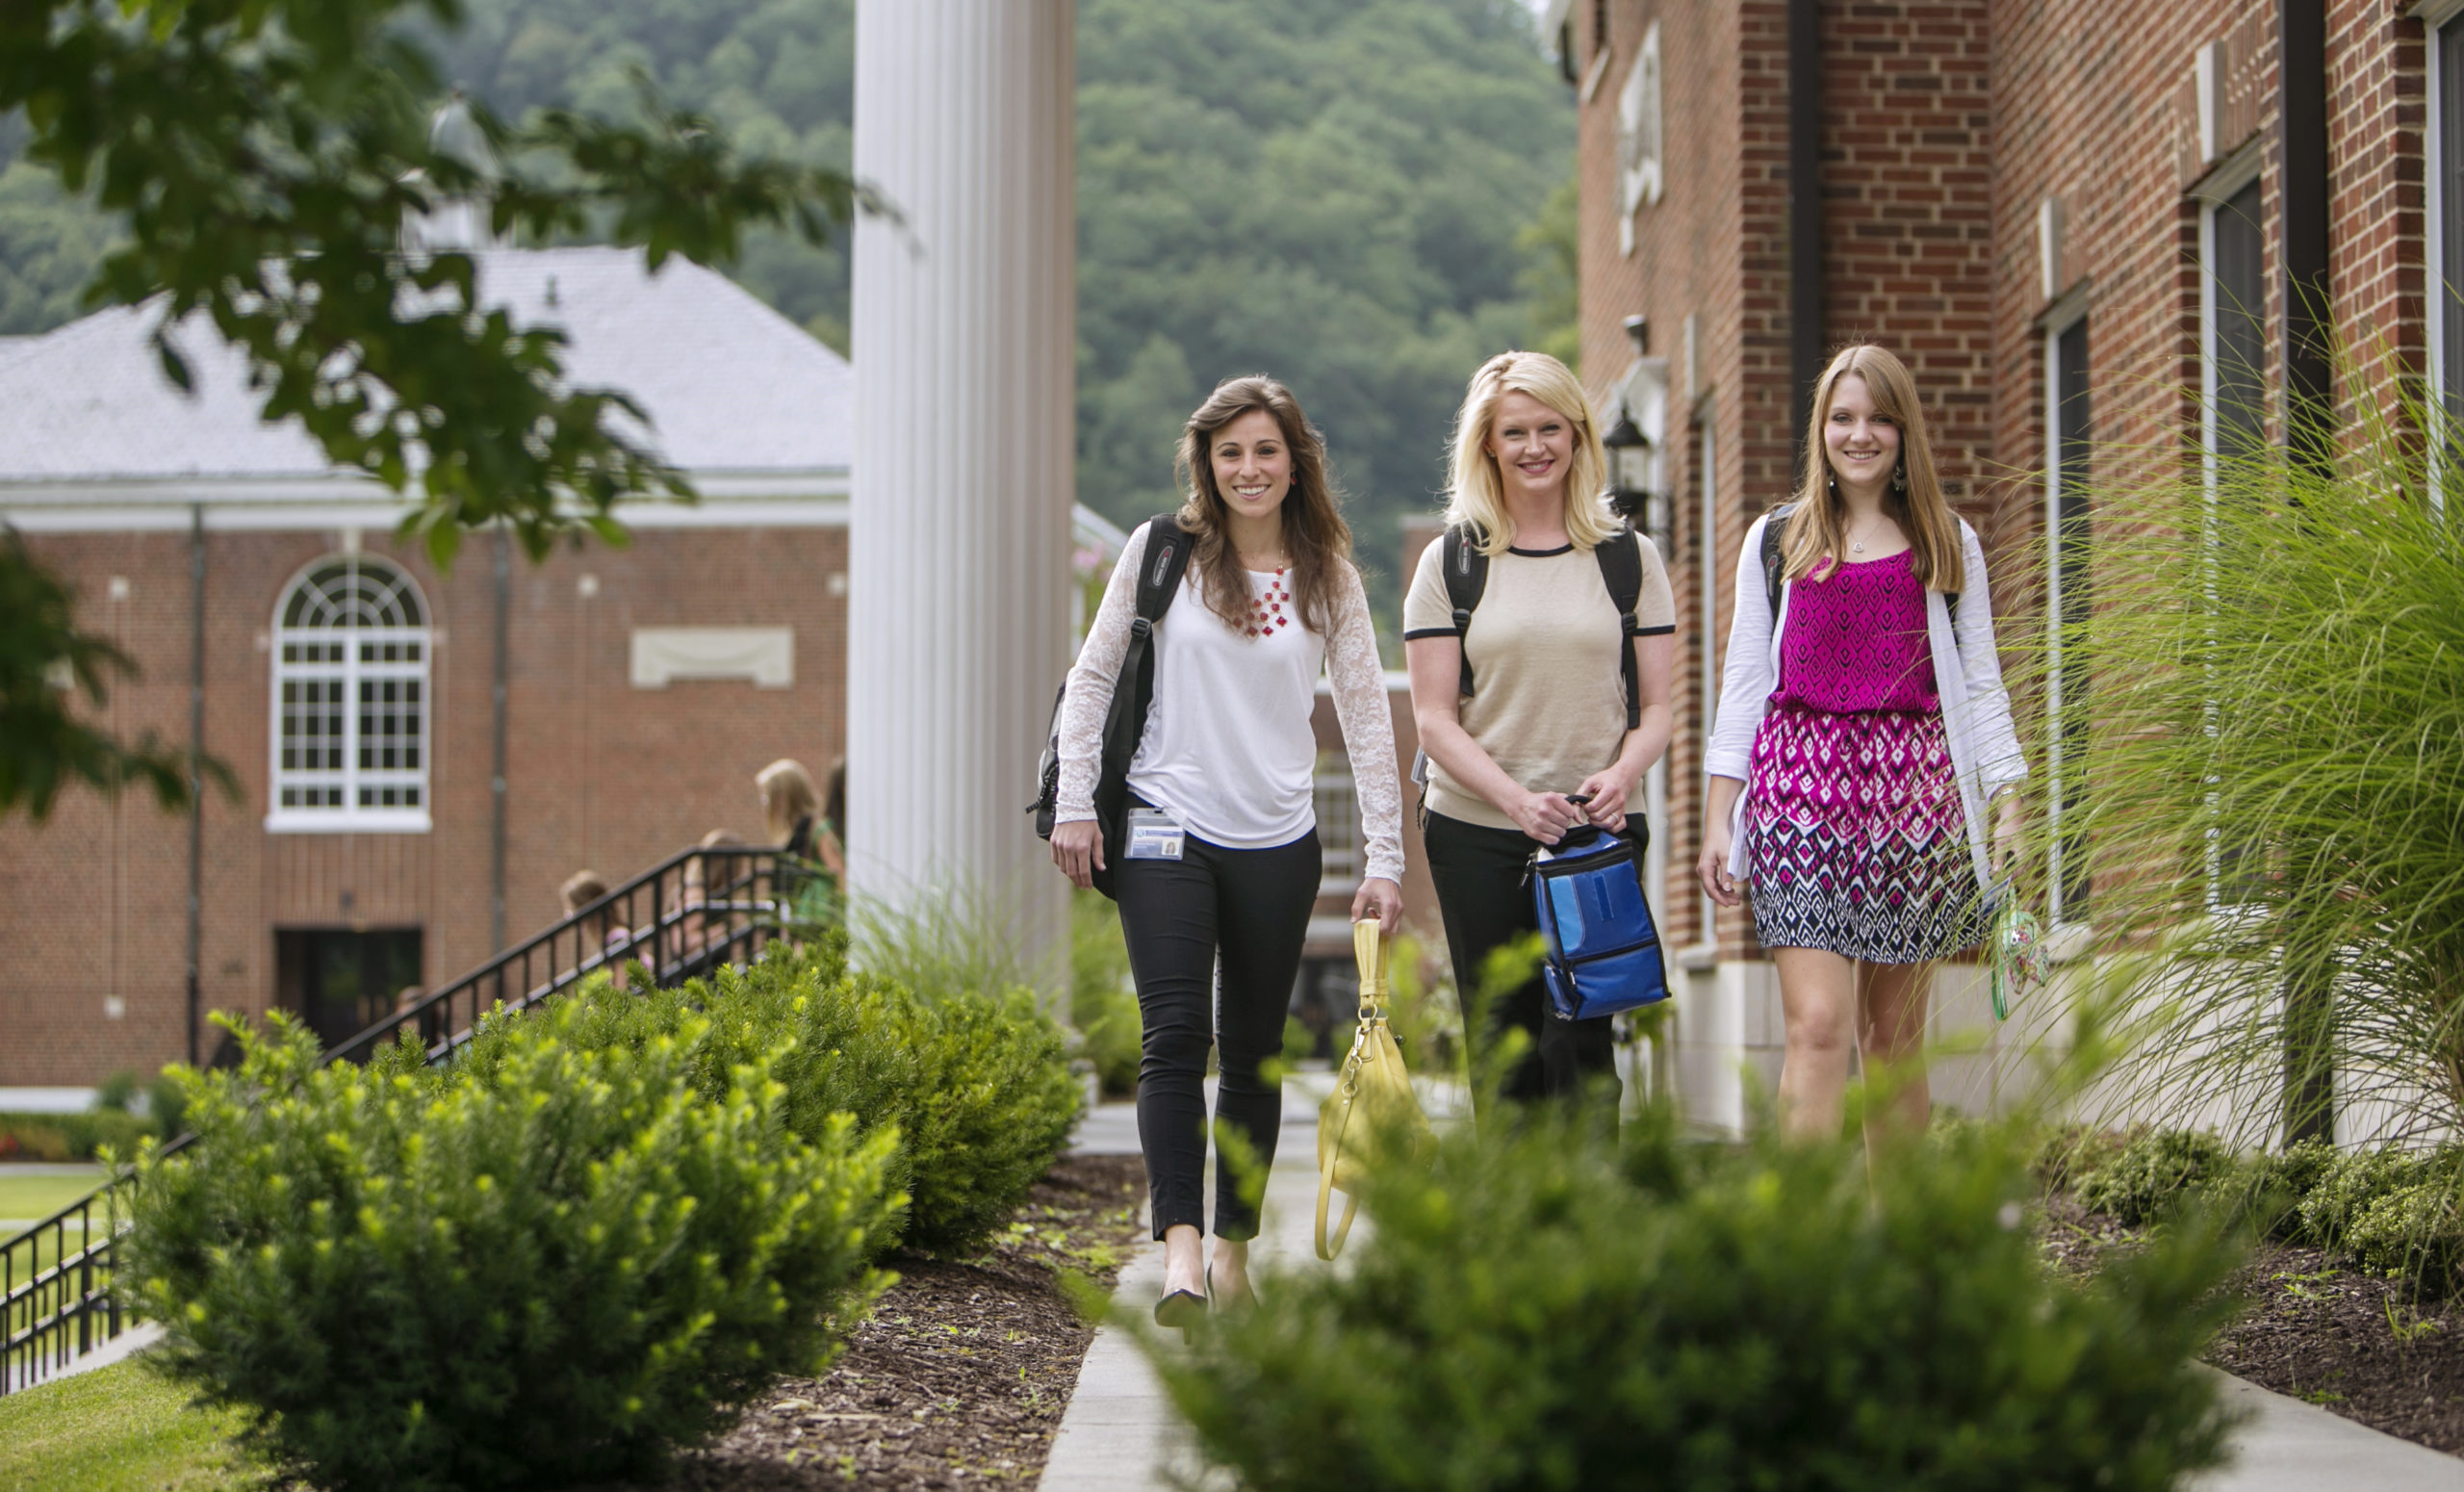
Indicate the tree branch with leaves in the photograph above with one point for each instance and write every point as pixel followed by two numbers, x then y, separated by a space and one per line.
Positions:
pixel 266 157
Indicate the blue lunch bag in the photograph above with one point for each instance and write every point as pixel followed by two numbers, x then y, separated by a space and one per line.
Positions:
pixel 1604 954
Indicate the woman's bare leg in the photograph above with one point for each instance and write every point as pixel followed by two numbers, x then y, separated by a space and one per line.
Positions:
pixel 1184 1259
pixel 1892 1035
pixel 1230 1275
pixel 1819 1000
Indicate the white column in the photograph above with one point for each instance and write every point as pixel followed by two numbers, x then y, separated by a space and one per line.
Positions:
pixel 964 339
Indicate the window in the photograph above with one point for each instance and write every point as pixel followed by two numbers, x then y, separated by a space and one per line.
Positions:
pixel 2067 524
pixel 2233 350
pixel 351 708
pixel 1706 675
pixel 1639 138
pixel 2235 333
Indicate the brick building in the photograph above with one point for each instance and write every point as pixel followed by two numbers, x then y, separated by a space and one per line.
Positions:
pixel 351 686
pixel 2075 222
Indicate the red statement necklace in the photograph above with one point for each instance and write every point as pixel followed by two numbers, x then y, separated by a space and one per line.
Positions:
pixel 1265 612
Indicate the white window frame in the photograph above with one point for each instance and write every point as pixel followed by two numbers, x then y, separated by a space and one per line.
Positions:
pixel 1641 146
pixel 358 656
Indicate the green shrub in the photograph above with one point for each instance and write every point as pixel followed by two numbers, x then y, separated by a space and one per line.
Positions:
pixel 1535 1314
pixel 2067 1153
pixel 2152 1172
pixel 1103 1004
pixel 2392 1210
pixel 116 1092
pixel 542 1271
pixel 70 1137
pixel 976 1087
pixel 2267 1188
pixel 2280 728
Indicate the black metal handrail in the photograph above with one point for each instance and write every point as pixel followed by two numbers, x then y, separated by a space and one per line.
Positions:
pixel 690 913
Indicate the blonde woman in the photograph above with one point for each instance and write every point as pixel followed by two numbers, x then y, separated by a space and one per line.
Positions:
pixel 1863 739
pixel 1542 706
pixel 1269 600
pixel 793 811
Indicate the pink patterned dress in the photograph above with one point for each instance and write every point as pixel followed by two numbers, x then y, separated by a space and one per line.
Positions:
pixel 1860 845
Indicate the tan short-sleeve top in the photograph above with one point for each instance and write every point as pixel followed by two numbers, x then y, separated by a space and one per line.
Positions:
pixel 1548 702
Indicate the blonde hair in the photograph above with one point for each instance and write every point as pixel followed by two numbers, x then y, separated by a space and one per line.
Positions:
pixel 1817 526
pixel 786 795
pixel 1476 499
pixel 1316 540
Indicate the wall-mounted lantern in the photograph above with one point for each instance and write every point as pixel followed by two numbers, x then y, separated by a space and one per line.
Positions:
pixel 1630 470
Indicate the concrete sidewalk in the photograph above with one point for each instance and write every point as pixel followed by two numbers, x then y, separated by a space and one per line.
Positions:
pixel 1120 1434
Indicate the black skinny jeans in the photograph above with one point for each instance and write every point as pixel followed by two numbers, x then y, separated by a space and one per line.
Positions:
pixel 1485 896
pixel 1252 906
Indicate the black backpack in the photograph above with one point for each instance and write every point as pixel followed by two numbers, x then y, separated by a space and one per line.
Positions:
pixel 1621 568
pixel 1771 565
pixel 1159 580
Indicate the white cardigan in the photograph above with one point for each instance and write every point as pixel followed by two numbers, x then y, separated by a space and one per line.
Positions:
pixel 1976 708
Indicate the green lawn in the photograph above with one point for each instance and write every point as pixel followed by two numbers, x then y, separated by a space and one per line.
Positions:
pixel 32 1196
pixel 39 1197
pixel 114 1429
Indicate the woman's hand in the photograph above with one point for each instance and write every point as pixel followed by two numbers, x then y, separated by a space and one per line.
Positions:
pixel 1078 849
pixel 2009 822
pixel 1379 898
pixel 1712 866
pixel 1545 816
pixel 1608 788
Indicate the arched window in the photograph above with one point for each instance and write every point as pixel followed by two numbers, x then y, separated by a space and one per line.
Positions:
pixel 351 649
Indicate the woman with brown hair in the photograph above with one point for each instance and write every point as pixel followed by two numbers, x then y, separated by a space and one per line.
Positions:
pixel 1228 864
pixel 1864 737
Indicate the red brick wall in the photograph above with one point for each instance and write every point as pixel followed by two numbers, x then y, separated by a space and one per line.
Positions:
pixel 599 774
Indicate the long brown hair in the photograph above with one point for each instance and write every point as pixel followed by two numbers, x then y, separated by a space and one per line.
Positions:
pixel 1817 527
pixel 1316 539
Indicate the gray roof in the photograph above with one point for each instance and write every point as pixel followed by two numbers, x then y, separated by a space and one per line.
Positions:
pixel 730 386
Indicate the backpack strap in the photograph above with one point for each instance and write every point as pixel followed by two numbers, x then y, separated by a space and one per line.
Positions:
pixel 1159 571
pixel 1771 559
pixel 1160 568
pixel 1620 569
pixel 1466 570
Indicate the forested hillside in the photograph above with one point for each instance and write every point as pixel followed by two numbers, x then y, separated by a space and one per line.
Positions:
pixel 1348 193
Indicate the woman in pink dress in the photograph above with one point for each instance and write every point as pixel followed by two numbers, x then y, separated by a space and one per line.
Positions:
pixel 1863 742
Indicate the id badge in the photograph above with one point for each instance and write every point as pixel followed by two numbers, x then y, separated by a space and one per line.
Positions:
pixel 1153 835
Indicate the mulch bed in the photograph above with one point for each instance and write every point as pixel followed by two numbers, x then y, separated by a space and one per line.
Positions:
pixel 2318 1330
pixel 960 1375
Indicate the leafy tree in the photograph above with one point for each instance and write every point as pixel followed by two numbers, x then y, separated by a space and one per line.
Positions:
pixel 1349 195
pixel 1330 190
pixel 262 159
pixel 1552 279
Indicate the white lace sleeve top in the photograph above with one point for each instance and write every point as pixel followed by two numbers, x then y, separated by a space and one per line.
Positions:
pixel 1228 749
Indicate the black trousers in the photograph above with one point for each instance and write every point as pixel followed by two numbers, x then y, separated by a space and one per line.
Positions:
pixel 1484 895
pixel 1252 907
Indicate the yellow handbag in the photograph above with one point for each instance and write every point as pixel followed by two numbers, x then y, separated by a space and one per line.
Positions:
pixel 1373 1106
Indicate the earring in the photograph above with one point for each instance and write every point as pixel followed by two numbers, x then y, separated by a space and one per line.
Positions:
pixel 1899 477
